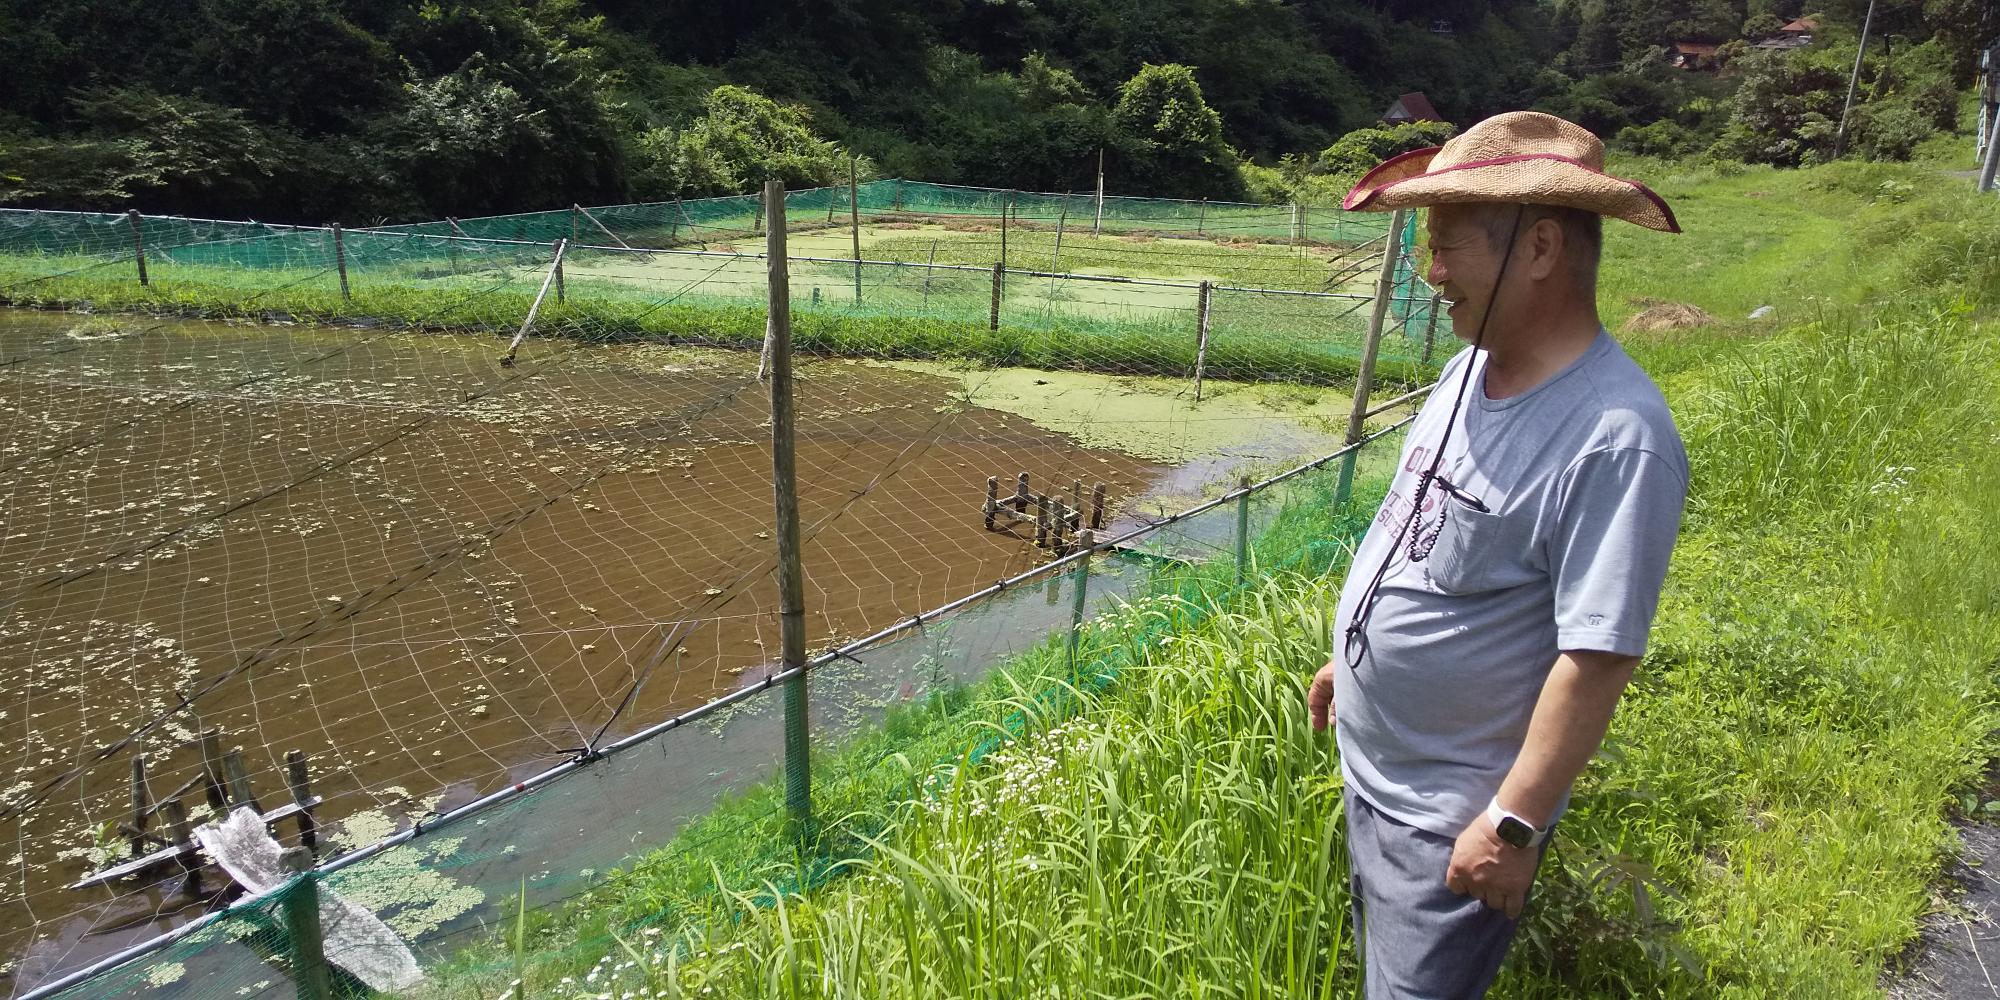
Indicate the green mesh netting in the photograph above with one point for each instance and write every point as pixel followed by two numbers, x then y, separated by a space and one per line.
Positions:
pixel 1277 311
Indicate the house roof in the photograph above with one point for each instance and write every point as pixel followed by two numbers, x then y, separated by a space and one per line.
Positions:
pixel 1804 24
pixel 1695 48
pixel 1412 107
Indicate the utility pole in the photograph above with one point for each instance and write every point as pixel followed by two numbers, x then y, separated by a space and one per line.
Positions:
pixel 1853 79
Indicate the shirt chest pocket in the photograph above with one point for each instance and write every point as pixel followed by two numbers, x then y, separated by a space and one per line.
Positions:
pixel 1478 551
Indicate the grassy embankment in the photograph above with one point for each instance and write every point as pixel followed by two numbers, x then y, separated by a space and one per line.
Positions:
pixel 1773 799
pixel 903 312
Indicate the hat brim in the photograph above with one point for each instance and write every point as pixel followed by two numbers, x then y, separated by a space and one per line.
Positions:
pixel 1406 181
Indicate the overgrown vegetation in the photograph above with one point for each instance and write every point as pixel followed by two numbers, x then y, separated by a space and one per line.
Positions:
pixel 364 110
pixel 1769 809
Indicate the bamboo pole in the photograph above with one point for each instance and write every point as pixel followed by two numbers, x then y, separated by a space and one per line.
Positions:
pixel 1203 298
pixel 601 226
pixel 1385 289
pixel 784 484
pixel 1431 326
pixel 528 323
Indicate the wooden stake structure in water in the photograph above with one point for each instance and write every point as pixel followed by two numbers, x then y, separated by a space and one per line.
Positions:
pixel 784 483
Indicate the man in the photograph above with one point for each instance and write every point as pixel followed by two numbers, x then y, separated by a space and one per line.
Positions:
pixel 1498 604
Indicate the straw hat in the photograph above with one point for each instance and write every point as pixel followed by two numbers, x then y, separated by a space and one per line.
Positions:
pixel 1520 156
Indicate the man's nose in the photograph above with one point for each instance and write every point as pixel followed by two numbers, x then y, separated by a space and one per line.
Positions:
pixel 1435 273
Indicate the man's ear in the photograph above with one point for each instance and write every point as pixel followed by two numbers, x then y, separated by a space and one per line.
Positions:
pixel 1545 248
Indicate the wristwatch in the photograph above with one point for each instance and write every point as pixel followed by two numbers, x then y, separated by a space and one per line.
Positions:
pixel 1511 828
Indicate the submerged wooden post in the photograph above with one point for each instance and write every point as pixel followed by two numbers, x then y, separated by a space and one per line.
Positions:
pixel 1085 541
pixel 240 792
pixel 993 321
pixel 211 771
pixel 1097 506
pixel 1242 530
pixel 306 937
pixel 1076 499
pixel 1059 526
pixel 992 508
pixel 340 261
pixel 1385 289
pixel 141 803
pixel 301 783
pixel 133 218
pixel 1041 520
pixel 785 490
pixel 1021 495
pixel 1203 298
pixel 174 814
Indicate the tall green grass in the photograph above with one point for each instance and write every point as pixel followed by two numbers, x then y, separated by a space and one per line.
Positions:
pixel 1772 803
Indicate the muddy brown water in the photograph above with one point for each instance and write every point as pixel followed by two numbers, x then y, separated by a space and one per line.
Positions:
pixel 423 570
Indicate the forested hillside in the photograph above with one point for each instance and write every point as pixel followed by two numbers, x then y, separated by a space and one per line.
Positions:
pixel 359 110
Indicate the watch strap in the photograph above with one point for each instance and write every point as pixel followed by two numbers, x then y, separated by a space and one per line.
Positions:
pixel 1495 814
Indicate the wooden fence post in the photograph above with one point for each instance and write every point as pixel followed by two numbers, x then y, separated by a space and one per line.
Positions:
pixel 1242 530
pixel 141 803
pixel 340 261
pixel 301 785
pixel 1431 327
pixel 133 218
pixel 1201 221
pixel 993 321
pixel 785 490
pixel 1085 541
pixel 308 944
pixel 854 223
pixel 211 771
pixel 1097 227
pixel 1203 299
pixel 1385 289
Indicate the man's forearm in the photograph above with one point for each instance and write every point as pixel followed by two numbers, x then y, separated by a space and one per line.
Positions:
pixel 1568 725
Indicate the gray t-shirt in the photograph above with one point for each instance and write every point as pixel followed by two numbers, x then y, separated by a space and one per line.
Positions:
pixel 1584 478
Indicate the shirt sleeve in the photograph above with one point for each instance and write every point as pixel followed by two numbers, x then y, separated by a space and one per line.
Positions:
pixel 1620 514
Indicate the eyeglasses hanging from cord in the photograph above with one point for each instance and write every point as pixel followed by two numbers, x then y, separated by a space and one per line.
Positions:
pixel 1425 537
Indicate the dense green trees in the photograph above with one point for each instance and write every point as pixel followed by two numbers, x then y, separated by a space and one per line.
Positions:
pixel 309 110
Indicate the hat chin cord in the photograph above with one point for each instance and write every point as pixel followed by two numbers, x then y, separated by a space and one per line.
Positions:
pixel 1357 628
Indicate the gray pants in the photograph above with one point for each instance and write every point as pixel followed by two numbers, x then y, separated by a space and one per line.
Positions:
pixel 1417 938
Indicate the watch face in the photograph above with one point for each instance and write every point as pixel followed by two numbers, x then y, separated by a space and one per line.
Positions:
pixel 1515 832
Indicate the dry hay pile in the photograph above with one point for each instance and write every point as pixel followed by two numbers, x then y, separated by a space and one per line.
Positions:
pixel 1659 316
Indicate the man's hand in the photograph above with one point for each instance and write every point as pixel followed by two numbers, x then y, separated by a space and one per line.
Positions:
pixel 1319 697
pixel 1490 869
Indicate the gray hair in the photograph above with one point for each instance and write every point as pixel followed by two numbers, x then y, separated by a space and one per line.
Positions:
pixel 1583 231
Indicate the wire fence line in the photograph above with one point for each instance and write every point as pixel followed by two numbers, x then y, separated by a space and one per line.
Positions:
pixel 593 296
